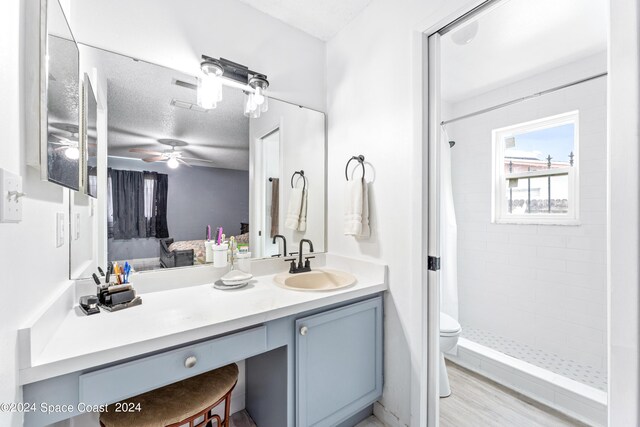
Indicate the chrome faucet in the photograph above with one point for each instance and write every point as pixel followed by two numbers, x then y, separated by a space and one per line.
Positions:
pixel 301 268
pixel 284 244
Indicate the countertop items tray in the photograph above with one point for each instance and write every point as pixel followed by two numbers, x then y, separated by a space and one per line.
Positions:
pixel 117 307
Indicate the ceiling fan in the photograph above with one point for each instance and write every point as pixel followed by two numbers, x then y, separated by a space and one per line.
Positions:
pixel 66 136
pixel 173 157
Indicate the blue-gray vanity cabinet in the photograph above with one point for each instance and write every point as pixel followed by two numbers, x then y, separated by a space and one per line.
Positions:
pixel 338 363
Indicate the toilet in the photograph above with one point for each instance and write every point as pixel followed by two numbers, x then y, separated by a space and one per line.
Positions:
pixel 449 332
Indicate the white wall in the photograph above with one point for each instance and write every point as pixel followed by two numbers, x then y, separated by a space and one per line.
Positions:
pixel 544 286
pixel 176 33
pixel 374 91
pixel 36 269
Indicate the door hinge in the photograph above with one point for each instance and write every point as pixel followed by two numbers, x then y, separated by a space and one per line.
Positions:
pixel 433 263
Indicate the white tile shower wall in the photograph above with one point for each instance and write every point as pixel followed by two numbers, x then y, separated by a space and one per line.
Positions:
pixel 544 286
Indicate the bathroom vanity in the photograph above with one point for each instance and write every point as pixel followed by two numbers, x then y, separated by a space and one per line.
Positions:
pixel 311 358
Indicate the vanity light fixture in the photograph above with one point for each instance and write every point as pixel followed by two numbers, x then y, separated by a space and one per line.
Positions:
pixel 222 72
pixel 210 83
pixel 256 102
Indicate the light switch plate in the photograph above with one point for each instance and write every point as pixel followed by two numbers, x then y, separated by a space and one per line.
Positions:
pixel 59 229
pixel 76 226
pixel 10 197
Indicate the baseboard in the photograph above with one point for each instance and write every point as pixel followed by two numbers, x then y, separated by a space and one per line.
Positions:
pixel 387 418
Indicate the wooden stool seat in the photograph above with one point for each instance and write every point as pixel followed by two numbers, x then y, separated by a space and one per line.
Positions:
pixel 179 403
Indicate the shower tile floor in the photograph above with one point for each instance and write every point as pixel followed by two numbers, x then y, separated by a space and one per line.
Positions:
pixel 584 374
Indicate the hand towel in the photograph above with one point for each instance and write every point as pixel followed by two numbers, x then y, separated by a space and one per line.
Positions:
pixel 353 204
pixel 275 206
pixel 302 224
pixel 366 230
pixel 292 220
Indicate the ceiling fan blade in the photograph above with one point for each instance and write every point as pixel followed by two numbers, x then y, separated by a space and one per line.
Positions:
pixel 182 162
pixel 154 159
pixel 193 159
pixel 145 151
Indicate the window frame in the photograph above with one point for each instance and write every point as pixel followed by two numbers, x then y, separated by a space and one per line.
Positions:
pixel 499 211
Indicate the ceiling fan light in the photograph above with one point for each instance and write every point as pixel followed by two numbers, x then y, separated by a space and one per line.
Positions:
pixel 72 153
pixel 173 163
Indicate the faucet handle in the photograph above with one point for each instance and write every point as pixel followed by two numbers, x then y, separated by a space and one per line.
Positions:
pixel 292 267
pixel 293 253
pixel 307 263
pixel 276 256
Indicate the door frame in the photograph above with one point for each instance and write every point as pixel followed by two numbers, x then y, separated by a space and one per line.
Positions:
pixel 427 50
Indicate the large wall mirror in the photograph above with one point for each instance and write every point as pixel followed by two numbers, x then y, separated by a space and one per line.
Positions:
pixel 177 173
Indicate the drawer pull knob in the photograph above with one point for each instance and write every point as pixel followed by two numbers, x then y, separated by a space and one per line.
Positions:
pixel 190 362
pixel 304 330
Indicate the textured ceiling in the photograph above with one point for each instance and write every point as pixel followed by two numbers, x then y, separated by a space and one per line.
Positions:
pixel 140 113
pixel 62 95
pixel 518 39
pixel 320 18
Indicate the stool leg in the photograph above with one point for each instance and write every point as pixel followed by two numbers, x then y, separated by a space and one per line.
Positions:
pixel 227 410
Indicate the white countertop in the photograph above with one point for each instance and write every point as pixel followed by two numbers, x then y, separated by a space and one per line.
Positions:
pixel 177 316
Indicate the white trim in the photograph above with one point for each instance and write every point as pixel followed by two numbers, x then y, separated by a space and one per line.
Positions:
pixel 499 214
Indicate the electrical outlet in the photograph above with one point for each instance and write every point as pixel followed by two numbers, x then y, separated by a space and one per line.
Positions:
pixel 11 196
pixel 59 229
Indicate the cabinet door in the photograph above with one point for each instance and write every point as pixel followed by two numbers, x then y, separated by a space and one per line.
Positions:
pixel 338 363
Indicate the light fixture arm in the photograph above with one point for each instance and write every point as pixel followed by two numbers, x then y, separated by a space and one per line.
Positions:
pixel 234 71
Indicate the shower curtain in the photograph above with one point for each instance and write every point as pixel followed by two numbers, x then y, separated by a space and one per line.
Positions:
pixel 448 237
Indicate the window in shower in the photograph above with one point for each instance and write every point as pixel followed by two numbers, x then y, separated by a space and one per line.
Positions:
pixel 535 171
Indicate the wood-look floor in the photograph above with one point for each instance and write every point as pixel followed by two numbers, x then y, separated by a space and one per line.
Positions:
pixel 241 419
pixel 476 401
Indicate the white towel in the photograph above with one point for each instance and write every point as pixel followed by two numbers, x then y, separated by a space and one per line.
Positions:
pixel 356 215
pixel 366 230
pixel 296 218
pixel 302 224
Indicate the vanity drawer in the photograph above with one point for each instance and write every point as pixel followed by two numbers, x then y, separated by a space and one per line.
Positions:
pixel 132 378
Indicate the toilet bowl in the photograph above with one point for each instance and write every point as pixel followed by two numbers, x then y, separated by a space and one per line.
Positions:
pixel 449 332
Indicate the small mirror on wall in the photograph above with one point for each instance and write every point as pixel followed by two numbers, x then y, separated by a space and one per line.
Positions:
pixel 56 148
pixel 90 138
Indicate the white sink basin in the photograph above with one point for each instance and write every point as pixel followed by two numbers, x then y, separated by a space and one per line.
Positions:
pixel 316 280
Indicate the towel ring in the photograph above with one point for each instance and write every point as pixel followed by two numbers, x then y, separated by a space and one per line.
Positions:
pixel 304 180
pixel 360 159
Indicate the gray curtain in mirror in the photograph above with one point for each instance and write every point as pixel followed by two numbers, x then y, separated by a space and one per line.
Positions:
pixel 137 204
